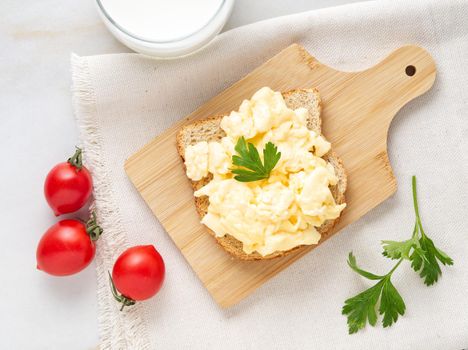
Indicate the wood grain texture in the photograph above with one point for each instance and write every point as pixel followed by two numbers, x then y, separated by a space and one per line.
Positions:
pixel 357 110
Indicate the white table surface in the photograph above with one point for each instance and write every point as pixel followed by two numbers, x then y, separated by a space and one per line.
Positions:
pixel 37 130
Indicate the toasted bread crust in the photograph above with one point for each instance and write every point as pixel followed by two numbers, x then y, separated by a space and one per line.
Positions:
pixel 209 129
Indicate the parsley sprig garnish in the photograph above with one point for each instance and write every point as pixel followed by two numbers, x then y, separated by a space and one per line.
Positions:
pixel 362 307
pixel 424 257
pixel 252 167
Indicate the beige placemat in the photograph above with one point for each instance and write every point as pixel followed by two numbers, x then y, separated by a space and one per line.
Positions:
pixel 122 101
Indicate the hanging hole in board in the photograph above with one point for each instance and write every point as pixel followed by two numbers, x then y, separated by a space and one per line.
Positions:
pixel 410 70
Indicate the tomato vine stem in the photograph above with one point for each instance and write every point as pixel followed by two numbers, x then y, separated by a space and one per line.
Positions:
pixel 77 159
pixel 92 228
pixel 119 297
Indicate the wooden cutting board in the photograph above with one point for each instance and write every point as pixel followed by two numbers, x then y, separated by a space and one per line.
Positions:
pixel 357 110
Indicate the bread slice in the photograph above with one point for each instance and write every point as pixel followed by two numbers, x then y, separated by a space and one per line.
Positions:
pixel 210 130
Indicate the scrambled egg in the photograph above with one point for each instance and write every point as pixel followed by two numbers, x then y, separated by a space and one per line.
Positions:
pixel 278 213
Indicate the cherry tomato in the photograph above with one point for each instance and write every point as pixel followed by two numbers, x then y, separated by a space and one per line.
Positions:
pixel 138 274
pixel 67 247
pixel 68 185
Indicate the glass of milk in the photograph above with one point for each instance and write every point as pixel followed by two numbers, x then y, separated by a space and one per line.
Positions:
pixel 165 28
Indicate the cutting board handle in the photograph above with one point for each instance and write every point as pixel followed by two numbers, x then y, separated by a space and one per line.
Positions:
pixel 413 71
pixel 367 101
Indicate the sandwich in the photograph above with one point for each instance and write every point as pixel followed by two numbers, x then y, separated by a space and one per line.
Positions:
pixel 266 181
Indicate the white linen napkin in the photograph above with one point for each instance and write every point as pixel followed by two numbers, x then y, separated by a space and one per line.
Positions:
pixel 122 101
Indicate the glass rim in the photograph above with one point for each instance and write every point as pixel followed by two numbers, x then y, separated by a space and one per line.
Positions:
pixel 136 37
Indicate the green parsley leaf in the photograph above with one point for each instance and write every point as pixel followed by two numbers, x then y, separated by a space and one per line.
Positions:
pixel 361 308
pixel 398 250
pixel 391 304
pixel 271 156
pixel 248 158
pixel 417 258
pixel 425 259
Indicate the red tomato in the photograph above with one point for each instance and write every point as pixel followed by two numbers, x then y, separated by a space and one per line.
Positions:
pixel 138 273
pixel 67 247
pixel 68 185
